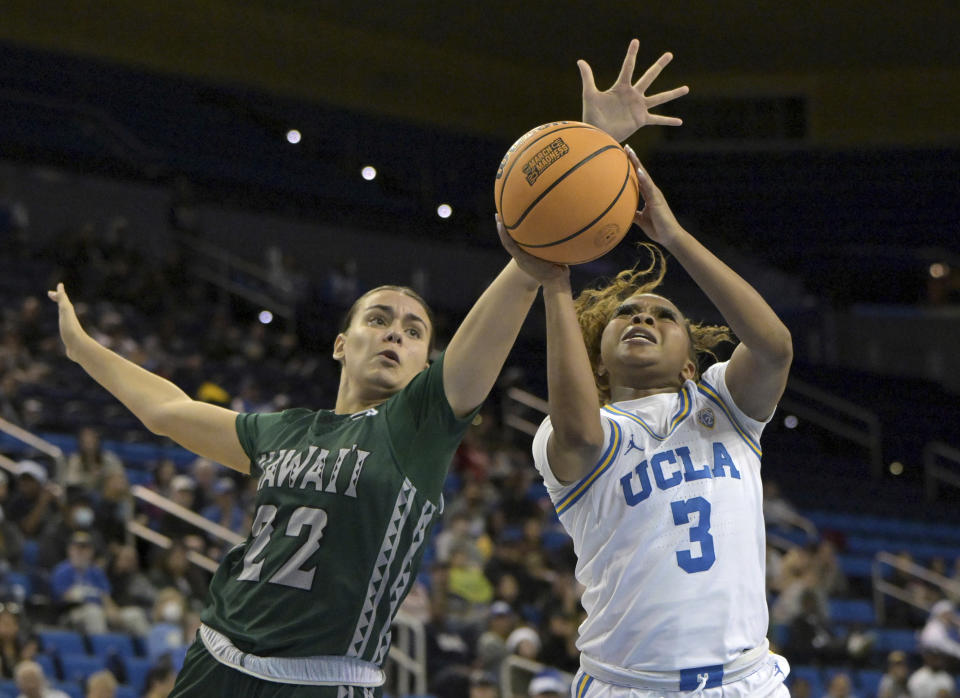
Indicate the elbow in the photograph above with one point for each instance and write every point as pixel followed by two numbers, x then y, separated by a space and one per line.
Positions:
pixel 579 437
pixel 780 350
pixel 160 419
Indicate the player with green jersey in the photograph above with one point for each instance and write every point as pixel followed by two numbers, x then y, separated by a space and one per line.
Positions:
pixel 345 497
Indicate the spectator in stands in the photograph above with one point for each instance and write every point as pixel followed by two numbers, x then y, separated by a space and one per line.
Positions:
pixel 492 644
pixel 894 681
pixel 34 500
pixel 164 471
pixel 801 689
pixel 82 589
pixel 101 684
pixel 172 568
pixel 130 586
pixel 940 633
pixel 777 511
pixel 456 535
pixel 182 492
pixel 160 680
pixel 931 680
pixel 77 515
pixel 559 642
pixel 830 577
pixel 547 684
pixel 810 636
pixel 524 642
pixel 840 686
pixel 85 468
pixel 32 683
pixel 468 583
pixel 167 632
pixel 15 645
pixel 204 473
pixel 11 542
pixel 224 509
pixel 483 684
pixel 449 647
pixel 115 506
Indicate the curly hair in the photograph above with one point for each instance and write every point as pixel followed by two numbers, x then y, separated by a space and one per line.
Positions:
pixel 595 307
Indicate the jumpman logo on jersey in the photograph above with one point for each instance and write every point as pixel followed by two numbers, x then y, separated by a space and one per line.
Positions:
pixel 632 445
pixel 777 669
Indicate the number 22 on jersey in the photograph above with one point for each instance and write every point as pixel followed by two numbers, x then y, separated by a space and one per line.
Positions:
pixel 290 574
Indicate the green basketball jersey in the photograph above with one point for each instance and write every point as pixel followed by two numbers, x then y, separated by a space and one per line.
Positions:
pixel 343 508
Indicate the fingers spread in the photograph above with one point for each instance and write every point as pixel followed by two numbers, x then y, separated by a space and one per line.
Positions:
pixel 652 72
pixel 586 75
pixel 662 97
pixel 629 63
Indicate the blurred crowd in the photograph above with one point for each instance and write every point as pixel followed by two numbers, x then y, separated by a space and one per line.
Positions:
pixel 497 582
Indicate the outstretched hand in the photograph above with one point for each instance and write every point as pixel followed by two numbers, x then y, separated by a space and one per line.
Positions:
pixel 539 269
pixel 70 330
pixel 624 108
pixel 655 218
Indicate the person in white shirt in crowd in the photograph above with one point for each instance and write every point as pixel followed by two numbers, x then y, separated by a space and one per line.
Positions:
pixel 940 631
pixel 32 683
pixel 547 684
pixel 930 680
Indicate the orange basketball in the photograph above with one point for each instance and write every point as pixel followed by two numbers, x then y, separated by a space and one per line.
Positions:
pixel 566 192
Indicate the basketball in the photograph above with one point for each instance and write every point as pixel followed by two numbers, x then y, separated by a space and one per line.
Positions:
pixel 566 192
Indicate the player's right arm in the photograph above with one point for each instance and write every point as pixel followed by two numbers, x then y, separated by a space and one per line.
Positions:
pixel 207 430
pixel 577 438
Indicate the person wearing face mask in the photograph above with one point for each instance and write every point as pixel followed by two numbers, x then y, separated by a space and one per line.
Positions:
pixel 77 515
pixel 346 496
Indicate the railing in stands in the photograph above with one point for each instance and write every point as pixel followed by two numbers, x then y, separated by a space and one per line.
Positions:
pixel 236 276
pixel 849 421
pixel 148 534
pixel 407 661
pixel 32 440
pixel 882 587
pixel 935 474
pixel 191 517
pixel 516 672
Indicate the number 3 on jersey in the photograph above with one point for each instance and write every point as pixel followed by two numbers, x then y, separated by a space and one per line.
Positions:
pixel 698 534
pixel 290 573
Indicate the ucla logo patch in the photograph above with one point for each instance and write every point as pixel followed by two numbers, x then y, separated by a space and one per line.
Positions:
pixel 706 417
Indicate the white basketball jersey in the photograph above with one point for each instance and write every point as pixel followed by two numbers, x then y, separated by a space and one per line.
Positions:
pixel 668 530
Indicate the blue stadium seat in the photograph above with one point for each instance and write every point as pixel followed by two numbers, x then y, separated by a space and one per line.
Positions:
pixel 62 642
pixel 124 691
pixel 868 681
pixel 18 584
pixel 29 552
pixel 851 611
pixel 889 639
pixel 71 688
pixel 47 664
pixel 136 669
pixel 77 667
pixel 8 689
pixel 112 644
pixel 810 674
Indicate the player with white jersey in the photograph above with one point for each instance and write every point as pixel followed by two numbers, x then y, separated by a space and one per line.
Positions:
pixel 658 482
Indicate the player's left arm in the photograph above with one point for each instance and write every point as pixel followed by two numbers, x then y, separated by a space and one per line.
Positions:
pixel 624 108
pixel 757 373
pixel 480 346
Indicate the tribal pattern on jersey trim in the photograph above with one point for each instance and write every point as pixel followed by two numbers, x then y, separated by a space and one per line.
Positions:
pixel 379 579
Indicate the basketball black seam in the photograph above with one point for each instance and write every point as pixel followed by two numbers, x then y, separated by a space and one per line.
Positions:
pixel 517 158
pixel 591 223
pixel 557 181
